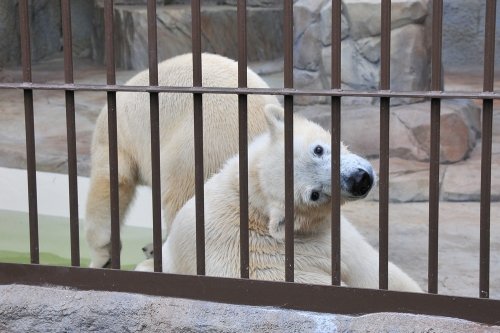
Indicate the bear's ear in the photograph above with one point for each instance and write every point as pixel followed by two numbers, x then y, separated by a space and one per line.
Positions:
pixel 275 116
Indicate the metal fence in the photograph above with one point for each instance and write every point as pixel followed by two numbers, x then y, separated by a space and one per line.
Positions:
pixel 334 299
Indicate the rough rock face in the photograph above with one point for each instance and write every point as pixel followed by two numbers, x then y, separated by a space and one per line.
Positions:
pixel 219 33
pixel 45 24
pixel 410 129
pixel 45 29
pixel 9 40
pixel 463 35
pixel 42 309
pixel 364 15
pixel 360 33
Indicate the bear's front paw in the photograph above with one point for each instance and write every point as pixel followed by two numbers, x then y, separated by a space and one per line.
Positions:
pixel 277 224
pixel 148 251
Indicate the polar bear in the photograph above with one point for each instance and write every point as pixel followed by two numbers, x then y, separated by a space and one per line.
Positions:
pixel 220 131
pixel 312 204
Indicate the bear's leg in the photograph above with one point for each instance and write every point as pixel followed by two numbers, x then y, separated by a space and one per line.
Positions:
pixel 98 214
pixel 360 263
pixel 178 188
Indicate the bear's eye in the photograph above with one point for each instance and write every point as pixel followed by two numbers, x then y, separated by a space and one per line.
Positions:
pixel 318 150
pixel 314 196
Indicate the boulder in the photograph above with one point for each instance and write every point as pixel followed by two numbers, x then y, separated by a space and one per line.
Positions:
pixel 460 128
pixel 356 71
pixel 364 15
pixel 306 55
pixel 409 129
pixel 369 48
pixel 410 60
pixel 326 24
pixel 305 13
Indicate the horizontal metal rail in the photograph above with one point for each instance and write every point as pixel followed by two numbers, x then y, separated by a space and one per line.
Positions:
pixel 327 299
pixel 256 91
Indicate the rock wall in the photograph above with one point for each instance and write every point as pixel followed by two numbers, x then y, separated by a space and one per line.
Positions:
pixel 219 33
pixel 44 16
pixel 9 33
pixel 463 35
pixel 360 63
pixel 46 30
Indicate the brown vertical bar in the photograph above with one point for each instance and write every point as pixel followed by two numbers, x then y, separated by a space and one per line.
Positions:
pixel 71 133
pixel 385 84
pixel 198 138
pixel 436 84
pixel 30 131
pixel 112 132
pixel 489 72
pixel 243 139
pixel 154 110
pixel 288 83
pixel 336 117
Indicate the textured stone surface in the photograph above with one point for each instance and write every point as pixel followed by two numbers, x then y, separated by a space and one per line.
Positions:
pixel 326 24
pixel 364 15
pixel 9 40
pixel 360 47
pixel 458 242
pixel 410 65
pixel 462 181
pixel 81 22
pixel 306 55
pixel 45 29
pixel 43 309
pixel 410 129
pixel 45 21
pixel 463 34
pixel 305 12
pixel 408 180
pixel 308 80
pixel 252 3
pixel 219 33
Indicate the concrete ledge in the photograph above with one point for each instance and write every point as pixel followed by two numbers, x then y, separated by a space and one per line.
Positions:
pixel 51 309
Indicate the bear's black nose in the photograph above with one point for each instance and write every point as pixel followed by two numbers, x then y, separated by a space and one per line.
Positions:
pixel 362 182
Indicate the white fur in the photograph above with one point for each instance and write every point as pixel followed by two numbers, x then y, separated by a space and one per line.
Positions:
pixel 220 123
pixel 359 261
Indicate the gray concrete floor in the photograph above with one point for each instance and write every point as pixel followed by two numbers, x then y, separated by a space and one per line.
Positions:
pixel 458 242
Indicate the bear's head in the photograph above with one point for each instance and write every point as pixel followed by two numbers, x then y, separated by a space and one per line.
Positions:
pixel 312 174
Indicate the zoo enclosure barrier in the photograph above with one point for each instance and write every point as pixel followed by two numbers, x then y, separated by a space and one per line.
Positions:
pixel 333 299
